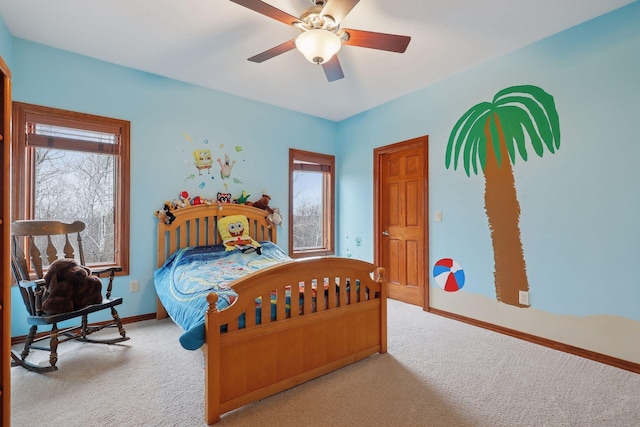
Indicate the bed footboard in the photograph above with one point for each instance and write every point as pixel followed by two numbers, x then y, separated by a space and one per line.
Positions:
pixel 338 318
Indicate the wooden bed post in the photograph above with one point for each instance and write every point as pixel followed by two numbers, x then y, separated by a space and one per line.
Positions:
pixel 212 362
pixel 383 309
pixel 161 312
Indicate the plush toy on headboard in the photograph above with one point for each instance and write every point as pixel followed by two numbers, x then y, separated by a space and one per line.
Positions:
pixel 223 197
pixel 165 215
pixel 263 203
pixel 234 230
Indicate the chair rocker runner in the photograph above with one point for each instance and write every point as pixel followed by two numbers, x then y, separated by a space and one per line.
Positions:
pixel 27 266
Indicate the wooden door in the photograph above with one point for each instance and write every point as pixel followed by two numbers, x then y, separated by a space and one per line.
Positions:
pixel 5 220
pixel 401 233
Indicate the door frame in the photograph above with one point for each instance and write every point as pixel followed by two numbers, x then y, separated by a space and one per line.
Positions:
pixel 378 153
pixel 5 230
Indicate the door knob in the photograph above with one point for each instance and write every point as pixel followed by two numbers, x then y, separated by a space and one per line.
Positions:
pixel 385 233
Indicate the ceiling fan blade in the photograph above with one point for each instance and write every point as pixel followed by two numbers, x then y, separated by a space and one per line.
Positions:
pixel 268 10
pixel 274 51
pixel 381 41
pixel 338 9
pixel 332 69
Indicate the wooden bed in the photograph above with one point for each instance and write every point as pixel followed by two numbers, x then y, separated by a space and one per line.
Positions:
pixel 257 361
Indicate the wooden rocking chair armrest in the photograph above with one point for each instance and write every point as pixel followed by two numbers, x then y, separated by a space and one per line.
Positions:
pixel 32 292
pixel 35 284
pixel 108 271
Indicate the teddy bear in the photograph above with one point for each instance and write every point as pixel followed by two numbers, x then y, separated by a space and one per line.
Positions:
pixel 263 203
pixel 69 286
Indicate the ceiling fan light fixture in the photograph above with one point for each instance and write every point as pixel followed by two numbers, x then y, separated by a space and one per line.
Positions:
pixel 318 45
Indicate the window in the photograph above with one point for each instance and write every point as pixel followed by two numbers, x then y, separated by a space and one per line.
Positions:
pixel 72 166
pixel 311 204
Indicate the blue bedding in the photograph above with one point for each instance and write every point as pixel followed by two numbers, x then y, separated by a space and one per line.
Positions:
pixel 190 274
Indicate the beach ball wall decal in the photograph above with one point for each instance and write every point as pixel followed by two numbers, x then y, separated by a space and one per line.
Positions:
pixel 448 274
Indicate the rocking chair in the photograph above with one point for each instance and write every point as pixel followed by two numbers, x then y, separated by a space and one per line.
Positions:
pixel 27 266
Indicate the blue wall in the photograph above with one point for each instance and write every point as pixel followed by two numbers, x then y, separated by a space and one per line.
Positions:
pixel 579 219
pixel 6 43
pixel 169 119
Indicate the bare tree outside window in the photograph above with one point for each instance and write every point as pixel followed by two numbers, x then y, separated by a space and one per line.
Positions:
pixel 308 209
pixel 71 166
pixel 311 203
pixel 72 186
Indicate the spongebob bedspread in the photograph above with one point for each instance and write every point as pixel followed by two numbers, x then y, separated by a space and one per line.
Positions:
pixel 185 279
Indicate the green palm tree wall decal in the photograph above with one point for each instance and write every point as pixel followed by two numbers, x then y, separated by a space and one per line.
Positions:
pixel 488 138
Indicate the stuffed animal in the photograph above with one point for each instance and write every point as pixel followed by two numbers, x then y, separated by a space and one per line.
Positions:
pixel 275 218
pixel 184 198
pixel 242 200
pixel 165 215
pixel 69 286
pixel 224 197
pixel 182 203
pixel 234 231
pixel 263 203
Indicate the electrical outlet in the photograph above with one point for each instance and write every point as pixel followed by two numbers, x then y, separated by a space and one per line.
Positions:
pixel 134 286
pixel 524 298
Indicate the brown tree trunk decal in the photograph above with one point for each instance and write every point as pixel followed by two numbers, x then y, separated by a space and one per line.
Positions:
pixel 488 138
pixel 503 213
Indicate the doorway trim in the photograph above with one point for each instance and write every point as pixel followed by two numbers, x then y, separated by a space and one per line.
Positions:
pixel 378 154
pixel 5 229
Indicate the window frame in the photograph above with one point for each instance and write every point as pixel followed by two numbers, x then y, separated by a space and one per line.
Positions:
pixel 23 168
pixel 321 163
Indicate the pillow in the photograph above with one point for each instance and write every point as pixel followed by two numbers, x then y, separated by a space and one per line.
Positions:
pixel 234 231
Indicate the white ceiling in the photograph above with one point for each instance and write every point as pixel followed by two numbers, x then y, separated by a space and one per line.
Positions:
pixel 207 43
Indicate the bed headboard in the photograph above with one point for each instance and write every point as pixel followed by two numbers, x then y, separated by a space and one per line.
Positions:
pixel 198 226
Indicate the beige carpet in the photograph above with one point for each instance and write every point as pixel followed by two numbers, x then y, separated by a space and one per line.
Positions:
pixel 437 372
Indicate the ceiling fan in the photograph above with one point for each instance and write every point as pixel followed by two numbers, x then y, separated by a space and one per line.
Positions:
pixel 321 36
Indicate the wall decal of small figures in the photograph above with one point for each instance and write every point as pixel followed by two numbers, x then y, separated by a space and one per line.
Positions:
pixel 226 166
pixel 202 160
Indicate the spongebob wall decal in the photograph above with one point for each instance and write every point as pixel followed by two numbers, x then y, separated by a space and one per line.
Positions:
pixel 203 154
pixel 202 160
